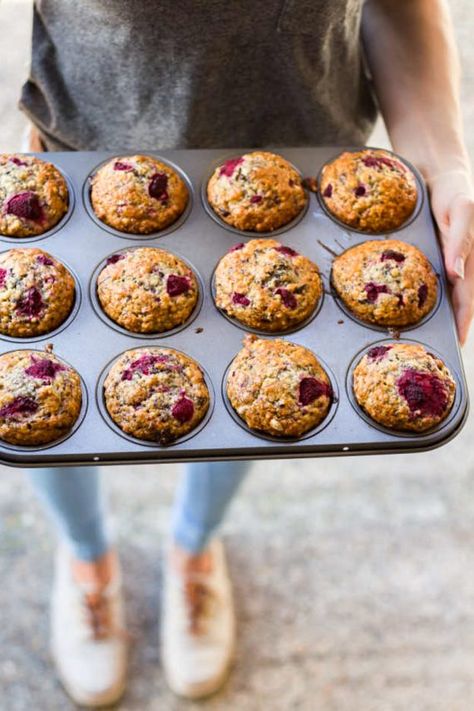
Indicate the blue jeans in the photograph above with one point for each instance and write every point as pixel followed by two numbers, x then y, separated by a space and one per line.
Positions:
pixel 73 498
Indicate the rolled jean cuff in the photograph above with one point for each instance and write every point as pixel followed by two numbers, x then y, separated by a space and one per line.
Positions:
pixel 89 545
pixel 188 536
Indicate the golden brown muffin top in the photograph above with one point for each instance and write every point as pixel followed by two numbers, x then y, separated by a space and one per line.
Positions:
pixel 138 194
pixel 404 386
pixel 147 289
pixel 370 190
pixel 257 191
pixel 267 285
pixel 40 397
pixel 156 394
pixel 33 195
pixel 278 387
pixel 385 282
pixel 36 292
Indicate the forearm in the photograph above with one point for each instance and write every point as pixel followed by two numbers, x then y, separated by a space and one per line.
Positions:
pixel 413 60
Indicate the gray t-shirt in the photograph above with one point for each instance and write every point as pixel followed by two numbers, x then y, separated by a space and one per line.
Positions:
pixel 119 75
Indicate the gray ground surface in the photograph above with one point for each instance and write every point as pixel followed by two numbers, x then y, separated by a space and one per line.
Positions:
pixel 353 577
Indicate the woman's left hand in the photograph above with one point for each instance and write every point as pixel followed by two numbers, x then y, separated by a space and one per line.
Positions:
pixel 452 203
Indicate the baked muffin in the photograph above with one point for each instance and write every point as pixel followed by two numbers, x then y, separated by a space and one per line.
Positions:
pixel 385 282
pixel 258 192
pixel 40 397
pixel 156 394
pixel 266 285
pixel 370 190
pixel 404 387
pixel 138 194
pixel 147 290
pixel 33 195
pixel 37 293
pixel 278 387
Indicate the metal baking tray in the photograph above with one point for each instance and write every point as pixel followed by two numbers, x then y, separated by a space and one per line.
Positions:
pixel 90 342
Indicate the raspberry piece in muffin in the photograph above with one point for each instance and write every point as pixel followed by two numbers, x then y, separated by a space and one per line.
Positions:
pixel 40 397
pixel 33 195
pixel 147 290
pixel 138 194
pixel 369 190
pixel 156 394
pixel 258 192
pixel 267 286
pixel 385 282
pixel 405 387
pixel 25 205
pixel 37 293
pixel 278 387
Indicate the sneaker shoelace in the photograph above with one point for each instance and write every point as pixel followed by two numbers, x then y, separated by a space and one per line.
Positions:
pixel 200 603
pixel 96 611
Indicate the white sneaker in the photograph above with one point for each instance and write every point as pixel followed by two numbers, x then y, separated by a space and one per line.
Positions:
pixel 88 640
pixel 198 627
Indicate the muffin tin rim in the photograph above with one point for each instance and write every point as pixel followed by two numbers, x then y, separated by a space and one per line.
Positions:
pixel 207 174
pixel 436 429
pixel 100 400
pixel 94 299
pixel 87 203
pixel 9 239
pixel 25 448
pixel 285 440
pixel 420 197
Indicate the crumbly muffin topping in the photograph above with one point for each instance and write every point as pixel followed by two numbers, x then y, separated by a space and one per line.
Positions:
pixel 403 386
pixel 267 285
pixel 278 387
pixel 156 394
pixel 33 195
pixel 138 194
pixel 386 282
pixel 37 292
pixel 40 397
pixel 369 190
pixel 147 290
pixel 258 191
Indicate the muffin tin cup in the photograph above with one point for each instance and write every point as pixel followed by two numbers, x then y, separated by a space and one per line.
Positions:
pixel 28 449
pixel 142 442
pixel 67 321
pixel 148 336
pixel 90 341
pixel 419 198
pixel 260 331
pixel 437 429
pixel 86 196
pixel 22 241
pixel 383 329
pixel 246 233
pixel 284 440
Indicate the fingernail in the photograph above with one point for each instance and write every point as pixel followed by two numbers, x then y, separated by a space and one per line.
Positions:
pixel 459 267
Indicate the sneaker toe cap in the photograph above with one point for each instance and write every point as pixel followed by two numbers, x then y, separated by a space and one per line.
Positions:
pixel 95 675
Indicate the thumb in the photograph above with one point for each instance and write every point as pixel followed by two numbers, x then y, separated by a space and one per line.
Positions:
pixel 463 300
pixel 458 236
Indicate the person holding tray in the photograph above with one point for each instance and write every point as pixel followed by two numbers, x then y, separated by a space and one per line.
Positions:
pixel 122 75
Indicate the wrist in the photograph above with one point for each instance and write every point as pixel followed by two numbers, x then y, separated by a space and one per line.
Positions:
pixel 460 177
pixel 434 153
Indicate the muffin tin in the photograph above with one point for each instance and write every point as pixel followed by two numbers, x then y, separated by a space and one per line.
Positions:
pixel 91 343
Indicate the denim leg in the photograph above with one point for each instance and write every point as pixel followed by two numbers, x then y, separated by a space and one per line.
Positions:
pixel 73 499
pixel 204 494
